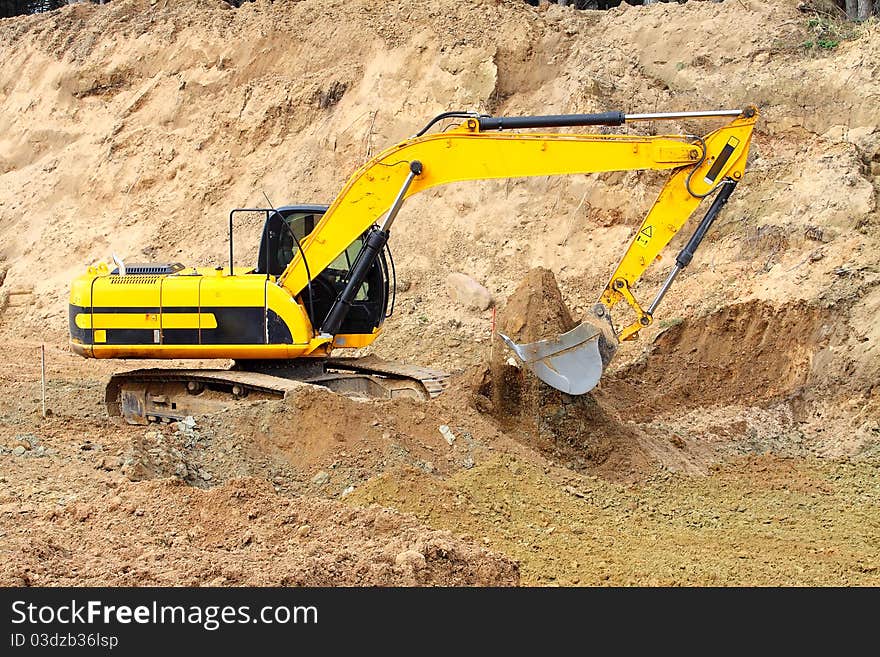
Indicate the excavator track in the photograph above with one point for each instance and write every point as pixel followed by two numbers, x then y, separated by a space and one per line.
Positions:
pixel 434 381
pixel 163 395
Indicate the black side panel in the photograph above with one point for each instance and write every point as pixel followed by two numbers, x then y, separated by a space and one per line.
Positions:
pixel 77 333
pixel 235 326
pixel 129 336
pixel 180 336
pixel 279 333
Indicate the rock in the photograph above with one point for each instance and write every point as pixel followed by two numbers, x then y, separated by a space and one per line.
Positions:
pixel 189 421
pixel 835 133
pixel 348 491
pixel 411 558
pixel 403 285
pixel 106 463
pixel 446 432
pixel 866 139
pixel 571 490
pixel 180 470
pixel 465 290
pixel 18 450
pixel 483 404
pixel 304 530
pixel 27 440
pixel 321 478
pixel 468 462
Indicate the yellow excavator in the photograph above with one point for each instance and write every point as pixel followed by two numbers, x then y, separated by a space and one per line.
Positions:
pixel 325 280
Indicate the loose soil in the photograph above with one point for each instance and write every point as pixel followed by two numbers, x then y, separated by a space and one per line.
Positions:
pixel 736 442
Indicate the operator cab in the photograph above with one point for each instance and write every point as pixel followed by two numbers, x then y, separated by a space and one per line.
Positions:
pixel 285 229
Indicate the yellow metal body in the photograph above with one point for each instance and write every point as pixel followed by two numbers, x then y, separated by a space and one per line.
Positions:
pixel 203 313
pixel 149 308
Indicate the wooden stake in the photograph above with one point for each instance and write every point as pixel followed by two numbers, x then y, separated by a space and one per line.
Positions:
pixel 43 375
pixel 492 339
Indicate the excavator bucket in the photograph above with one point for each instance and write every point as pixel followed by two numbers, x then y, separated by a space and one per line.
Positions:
pixel 571 362
pixel 574 361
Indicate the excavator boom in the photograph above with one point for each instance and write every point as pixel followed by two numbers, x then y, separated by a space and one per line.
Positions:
pixel 470 153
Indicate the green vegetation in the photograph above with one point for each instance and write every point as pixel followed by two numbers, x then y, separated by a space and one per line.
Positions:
pixel 827 33
pixel 669 323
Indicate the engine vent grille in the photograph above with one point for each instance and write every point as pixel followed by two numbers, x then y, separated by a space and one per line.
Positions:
pixel 150 269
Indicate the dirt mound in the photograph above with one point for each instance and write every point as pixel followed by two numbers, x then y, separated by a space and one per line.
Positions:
pixel 747 353
pixel 163 533
pixel 314 442
pixel 85 500
pixel 754 353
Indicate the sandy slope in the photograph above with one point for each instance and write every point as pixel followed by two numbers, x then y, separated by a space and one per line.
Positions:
pixel 134 128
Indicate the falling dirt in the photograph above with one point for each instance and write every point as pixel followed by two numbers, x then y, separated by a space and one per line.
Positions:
pixel 577 430
pixel 736 442
pixel 533 312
